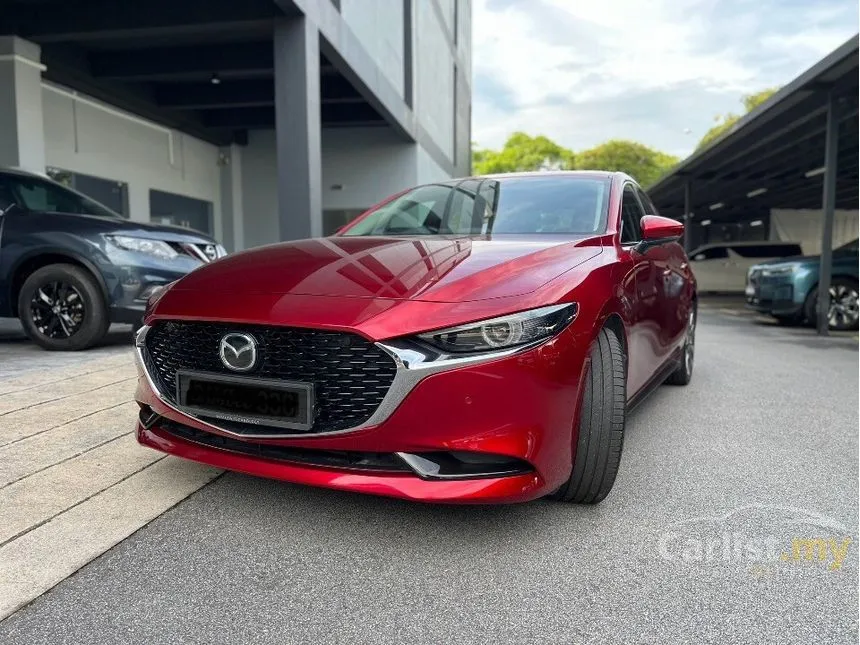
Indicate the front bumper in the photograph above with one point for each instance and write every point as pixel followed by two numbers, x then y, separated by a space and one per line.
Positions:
pixel 521 406
pixel 774 296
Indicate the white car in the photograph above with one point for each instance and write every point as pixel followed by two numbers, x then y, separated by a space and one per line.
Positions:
pixel 723 266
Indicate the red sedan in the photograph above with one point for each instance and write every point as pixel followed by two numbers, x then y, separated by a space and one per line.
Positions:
pixel 476 340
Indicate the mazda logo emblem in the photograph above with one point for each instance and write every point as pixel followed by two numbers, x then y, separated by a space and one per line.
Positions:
pixel 238 352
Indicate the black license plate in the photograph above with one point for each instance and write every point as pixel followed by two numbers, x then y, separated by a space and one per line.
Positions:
pixel 249 400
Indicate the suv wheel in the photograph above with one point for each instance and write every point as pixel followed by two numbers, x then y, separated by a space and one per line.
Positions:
pixel 62 308
pixel 843 314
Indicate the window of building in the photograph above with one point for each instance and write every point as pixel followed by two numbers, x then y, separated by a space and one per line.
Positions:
pixel 111 193
pixel 333 219
pixel 178 210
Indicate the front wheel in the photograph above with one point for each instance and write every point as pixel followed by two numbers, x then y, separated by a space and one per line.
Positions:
pixel 601 425
pixel 844 313
pixel 62 308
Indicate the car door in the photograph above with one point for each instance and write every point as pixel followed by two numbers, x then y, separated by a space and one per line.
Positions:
pixel 644 344
pixel 709 264
pixel 9 218
pixel 672 274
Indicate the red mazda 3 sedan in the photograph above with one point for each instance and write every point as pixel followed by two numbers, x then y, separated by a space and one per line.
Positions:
pixel 477 340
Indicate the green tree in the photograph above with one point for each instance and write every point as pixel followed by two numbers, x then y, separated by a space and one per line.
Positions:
pixel 724 122
pixel 644 164
pixel 522 152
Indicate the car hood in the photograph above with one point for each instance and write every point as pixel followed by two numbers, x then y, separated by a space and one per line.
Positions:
pixel 414 268
pixel 120 226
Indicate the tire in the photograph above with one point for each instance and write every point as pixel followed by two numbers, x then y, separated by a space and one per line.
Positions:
pixel 788 321
pixel 82 320
pixel 601 425
pixel 684 374
pixel 840 289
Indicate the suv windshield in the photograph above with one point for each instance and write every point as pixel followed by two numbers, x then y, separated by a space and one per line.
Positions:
pixel 850 247
pixel 37 194
pixel 518 205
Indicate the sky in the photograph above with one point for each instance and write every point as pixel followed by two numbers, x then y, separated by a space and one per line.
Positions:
pixel 655 71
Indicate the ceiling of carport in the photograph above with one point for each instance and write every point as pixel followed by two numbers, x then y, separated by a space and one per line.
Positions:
pixel 771 150
pixel 157 58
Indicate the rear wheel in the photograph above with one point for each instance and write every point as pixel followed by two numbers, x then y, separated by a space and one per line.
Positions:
pixel 601 425
pixel 684 374
pixel 62 308
pixel 843 314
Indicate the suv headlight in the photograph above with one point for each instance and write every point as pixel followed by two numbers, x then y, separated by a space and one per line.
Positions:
pixel 786 269
pixel 500 333
pixel 156 248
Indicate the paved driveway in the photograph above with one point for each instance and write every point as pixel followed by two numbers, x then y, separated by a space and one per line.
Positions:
pixel 698 542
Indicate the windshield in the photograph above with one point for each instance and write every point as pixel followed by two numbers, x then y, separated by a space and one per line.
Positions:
pixel 566 204
pixel 850 247
pixel 41 195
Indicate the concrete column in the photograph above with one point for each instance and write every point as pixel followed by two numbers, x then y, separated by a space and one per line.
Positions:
pixel 232 209
pixel 828 198
pixel 22 129
pixel 297 128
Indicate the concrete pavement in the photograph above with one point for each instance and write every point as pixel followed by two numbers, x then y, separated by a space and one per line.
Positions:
pixel 703 540
pixel 73 481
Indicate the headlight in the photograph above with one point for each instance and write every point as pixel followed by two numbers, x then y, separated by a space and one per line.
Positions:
pixel 155 248
pixel 220 251
pixel 780 270
pixel 500 333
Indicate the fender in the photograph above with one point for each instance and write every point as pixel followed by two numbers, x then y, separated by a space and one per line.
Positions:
pixel 57 251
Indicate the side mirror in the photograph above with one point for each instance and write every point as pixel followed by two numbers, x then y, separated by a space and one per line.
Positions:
pixel 656 228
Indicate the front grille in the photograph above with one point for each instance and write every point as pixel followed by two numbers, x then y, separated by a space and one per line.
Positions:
pixel 350 375
pixel 342 459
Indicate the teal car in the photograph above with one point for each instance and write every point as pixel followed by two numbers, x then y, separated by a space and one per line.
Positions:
pixel 787 289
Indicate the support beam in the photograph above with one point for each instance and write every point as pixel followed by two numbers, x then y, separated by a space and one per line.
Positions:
pixel 688 214
pixel 22 137
pixel 107 20
pixel 831 151
pixel 236 60
pixel 297 128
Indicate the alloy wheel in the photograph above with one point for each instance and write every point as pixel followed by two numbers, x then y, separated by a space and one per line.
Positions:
pixel 844 311
pixel 690 343
pixel 57 309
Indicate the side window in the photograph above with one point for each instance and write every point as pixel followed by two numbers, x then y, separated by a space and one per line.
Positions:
pixel 461 213
pixel 631 214
pixel 767 250
pixel 37 195
pixel 712 253
pixel 646 202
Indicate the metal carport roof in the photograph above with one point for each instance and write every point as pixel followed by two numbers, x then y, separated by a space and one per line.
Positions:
pixel 796 150
pixel 770 150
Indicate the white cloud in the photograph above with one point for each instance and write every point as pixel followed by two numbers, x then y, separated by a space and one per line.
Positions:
pixel 569 68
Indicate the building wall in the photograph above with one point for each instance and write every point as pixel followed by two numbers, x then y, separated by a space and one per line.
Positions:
pixel 360 167
pixel 88 137
pixel 434 77
pixel 804 227
pixel 379 27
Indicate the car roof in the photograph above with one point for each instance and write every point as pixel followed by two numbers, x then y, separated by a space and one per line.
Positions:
pixel 542 174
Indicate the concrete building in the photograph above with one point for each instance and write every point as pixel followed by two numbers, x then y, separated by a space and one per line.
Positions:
pixel 254 120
